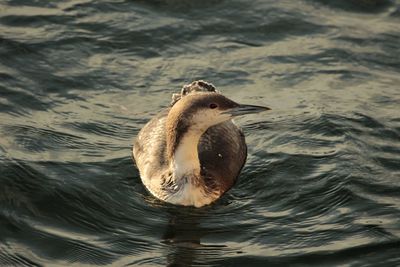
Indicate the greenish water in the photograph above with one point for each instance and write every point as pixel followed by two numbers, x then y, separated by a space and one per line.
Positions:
pixel 78 80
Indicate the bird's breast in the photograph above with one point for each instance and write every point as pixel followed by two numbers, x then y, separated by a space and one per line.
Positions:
pixel 189 192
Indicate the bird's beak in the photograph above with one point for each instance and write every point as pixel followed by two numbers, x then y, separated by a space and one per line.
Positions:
pixel 245 109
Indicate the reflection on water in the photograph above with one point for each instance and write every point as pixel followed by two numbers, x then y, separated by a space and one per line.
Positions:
pixel 78 79
pixel 182 235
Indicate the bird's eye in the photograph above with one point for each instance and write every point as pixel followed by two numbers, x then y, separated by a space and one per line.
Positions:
pixel 213 105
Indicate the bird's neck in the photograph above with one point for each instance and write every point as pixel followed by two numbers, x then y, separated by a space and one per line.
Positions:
pixel 185 159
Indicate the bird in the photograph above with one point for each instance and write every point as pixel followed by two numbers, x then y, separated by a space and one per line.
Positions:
pixel 191 153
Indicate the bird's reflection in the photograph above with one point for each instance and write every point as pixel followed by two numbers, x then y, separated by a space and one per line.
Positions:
pixel 182 235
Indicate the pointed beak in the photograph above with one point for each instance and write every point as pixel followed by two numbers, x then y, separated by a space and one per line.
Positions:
pixel 245 109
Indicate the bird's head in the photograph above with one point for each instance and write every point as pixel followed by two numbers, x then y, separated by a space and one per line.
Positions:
pixel 204 109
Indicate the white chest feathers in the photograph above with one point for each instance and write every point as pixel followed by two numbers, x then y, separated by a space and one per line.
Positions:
pixel 190 194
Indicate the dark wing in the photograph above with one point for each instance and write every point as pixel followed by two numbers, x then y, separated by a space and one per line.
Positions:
pixel 222 153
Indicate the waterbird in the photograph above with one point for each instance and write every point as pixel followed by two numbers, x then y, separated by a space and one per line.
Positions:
pixel 192 152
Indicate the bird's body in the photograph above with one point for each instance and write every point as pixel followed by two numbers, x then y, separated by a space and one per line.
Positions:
pixel 221 151
pixel 191 153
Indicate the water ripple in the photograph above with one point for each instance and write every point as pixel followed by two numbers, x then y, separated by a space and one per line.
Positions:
pixel 78 80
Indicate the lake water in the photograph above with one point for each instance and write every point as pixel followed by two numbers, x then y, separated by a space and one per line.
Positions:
pixel 78 80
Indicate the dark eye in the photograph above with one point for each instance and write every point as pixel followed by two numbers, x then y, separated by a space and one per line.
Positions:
pixel 213 105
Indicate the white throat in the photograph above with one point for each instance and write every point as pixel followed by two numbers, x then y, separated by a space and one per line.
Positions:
pixel 186 156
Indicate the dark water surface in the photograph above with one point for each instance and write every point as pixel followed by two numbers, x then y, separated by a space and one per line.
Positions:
pixel 78 79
